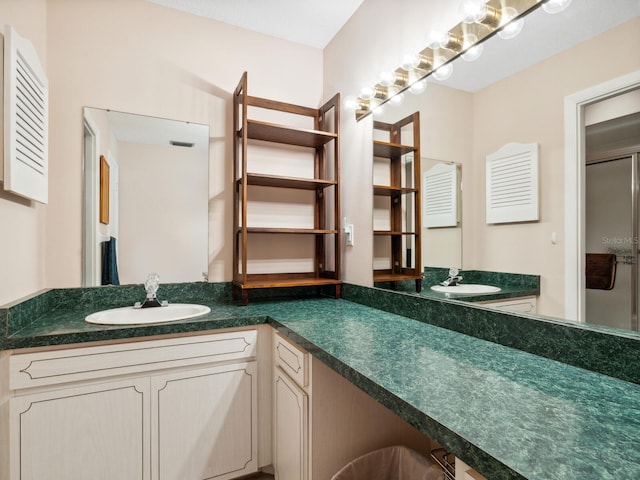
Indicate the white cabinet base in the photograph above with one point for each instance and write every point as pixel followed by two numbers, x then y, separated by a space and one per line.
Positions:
pixel 193 441
pixel 291 429
pixel 76 433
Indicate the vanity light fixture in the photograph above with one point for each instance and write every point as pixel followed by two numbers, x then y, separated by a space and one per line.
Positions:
pixel 479 11
pixel 481 19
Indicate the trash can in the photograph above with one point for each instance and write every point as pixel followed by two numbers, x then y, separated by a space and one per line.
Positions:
pixel 391 463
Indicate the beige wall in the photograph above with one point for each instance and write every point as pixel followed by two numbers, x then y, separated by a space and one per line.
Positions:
pixel 22 222
pixel 135 56
pixel 528 107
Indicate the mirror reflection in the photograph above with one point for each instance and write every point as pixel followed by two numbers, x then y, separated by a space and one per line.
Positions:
pixel 515 93
pixel 145 199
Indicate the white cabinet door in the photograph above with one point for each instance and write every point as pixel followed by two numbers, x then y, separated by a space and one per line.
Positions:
pixel 204 423
pixel 97 431
pixel 291 429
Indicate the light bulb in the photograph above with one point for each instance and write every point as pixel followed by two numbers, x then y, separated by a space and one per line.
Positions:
pixel 418 87
pixel 379 110
pixel 511 27
pixel 473 53
pixel 410 61
pixel 437 38
pixel 351 103
pixel 397 99
pixel 555 6
pixel 472 11
pixel 386 78
pixel 444 72
pixel 473 48
pixel 366 93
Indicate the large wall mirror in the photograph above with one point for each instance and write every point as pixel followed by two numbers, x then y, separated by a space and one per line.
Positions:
pixel 146 193
pixel 515 92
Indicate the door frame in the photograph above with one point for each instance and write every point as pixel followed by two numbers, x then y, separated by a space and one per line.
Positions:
pixel 574 185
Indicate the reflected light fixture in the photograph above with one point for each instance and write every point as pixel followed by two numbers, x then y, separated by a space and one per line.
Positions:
pixel 418 87
pixel 474 48
pixel 512 25
pixel 480 19
pixel 443 73
pixel 555 6
pixel 398 99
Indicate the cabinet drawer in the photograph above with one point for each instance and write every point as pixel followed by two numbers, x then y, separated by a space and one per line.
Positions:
pixel 291 359
pixel 85 363
pixel 520 305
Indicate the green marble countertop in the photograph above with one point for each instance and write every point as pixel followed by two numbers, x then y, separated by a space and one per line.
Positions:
pixel 507 413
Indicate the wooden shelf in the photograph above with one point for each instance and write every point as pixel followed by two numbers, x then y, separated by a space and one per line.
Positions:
pixel 392 233
pixel 272 132
pixel 384 190
pixel 394 277
pixel 402 240
pixel 285 280
pixel 263 180
pixel 390 150
pixel 325 217
pixel 304 231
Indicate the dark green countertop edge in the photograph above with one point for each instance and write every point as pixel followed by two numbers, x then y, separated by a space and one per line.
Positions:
pixel 454 443
pixel 612 352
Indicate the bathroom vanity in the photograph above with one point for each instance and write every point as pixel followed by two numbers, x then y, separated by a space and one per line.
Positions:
pixel 160 395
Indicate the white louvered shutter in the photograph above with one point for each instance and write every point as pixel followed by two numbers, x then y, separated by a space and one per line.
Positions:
pixel 440 192
pixel 26 99
pixel 512 184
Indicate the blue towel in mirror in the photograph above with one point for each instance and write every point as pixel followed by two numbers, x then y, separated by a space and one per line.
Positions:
pixel 109 263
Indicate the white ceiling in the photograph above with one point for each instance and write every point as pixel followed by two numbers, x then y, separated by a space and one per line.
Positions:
pixel 316 22
pixel 309 22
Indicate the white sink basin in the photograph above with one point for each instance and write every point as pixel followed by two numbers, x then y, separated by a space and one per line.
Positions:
pixel 135 316
pixel 466 289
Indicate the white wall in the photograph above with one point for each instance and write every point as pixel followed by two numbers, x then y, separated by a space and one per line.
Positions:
pixel 22 222
pixel 163 202
pixel 135 56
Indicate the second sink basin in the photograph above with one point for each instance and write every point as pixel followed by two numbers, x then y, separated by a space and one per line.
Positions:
pixel 466 289
pixel 135 316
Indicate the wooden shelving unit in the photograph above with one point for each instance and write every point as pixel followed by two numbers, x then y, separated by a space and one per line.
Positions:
pixel 322 143
pixel 404 192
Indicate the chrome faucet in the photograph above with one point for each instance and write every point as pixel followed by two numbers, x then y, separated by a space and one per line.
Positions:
pixel 151 285
pixel 453 280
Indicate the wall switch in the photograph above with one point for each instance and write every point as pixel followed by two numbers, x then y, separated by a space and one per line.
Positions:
pixel 348 231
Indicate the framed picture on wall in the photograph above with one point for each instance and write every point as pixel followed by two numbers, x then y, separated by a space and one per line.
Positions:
pixel 104 190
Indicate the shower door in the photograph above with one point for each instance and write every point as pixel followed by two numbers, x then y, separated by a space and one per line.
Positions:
pixel 611 217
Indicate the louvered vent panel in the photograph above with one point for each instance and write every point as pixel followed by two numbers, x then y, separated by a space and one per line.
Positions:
pixel 512 184
pixel 26 127
pixel 30 115
pixel 440 191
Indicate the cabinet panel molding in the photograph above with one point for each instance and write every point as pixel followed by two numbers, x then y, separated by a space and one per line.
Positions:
pixel 192 439
pixel 291 429
pixel 74 433
pixel 292 360
pixel 85 363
